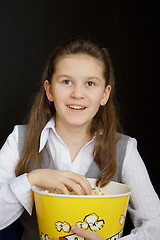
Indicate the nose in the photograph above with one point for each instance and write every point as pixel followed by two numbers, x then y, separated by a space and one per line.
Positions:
pixel 77 92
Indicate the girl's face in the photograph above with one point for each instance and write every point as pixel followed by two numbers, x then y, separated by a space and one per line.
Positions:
pixel 77 89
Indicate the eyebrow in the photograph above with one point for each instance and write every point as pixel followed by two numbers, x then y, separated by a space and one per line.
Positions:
pixel 64 75
pixel 88 78
pixel 93 77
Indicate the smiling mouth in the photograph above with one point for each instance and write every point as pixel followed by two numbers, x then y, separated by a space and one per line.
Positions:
pixel 76 107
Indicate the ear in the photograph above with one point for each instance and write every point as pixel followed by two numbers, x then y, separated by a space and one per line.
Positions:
pixel 48 89
pixel 106 95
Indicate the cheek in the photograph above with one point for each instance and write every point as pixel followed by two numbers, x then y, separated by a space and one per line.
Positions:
pixel 58 98
pixel 96 100
pixel 58 94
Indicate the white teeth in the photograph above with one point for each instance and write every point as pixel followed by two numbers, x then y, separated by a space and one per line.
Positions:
pixel 76 107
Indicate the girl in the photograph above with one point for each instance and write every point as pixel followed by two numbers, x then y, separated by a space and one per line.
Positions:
pixel 72 134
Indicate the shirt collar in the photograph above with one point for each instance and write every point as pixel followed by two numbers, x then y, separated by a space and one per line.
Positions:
pixel 45 133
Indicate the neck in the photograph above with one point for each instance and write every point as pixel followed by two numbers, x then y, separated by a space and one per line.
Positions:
pixel 73 134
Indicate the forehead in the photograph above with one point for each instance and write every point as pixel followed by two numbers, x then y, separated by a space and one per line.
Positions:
pixel 79 63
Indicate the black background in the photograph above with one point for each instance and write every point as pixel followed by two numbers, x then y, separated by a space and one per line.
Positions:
pixel 30 29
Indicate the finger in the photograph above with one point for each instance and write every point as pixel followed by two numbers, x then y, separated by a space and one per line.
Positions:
pixel 73 186
pixel 54 238
pixel 83 182
pixel 62 188
pixel 86 234
pixel 68 185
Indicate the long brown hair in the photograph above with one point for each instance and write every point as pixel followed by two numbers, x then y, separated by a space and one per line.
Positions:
pixel 104 121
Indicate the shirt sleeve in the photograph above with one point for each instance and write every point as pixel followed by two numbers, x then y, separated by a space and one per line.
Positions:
pixel 15 192
pixel 144 205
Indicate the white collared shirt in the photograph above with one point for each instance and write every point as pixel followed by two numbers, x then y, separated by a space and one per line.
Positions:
pixel 16 194
pixel 61 154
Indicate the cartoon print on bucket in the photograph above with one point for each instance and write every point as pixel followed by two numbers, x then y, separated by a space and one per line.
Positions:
pixel 72 237
pixel 123 217
pixel 44 237
pixel 66 227
pixel 90 222
pixel 76 237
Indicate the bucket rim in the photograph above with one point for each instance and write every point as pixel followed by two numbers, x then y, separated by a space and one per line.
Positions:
pixel 39 190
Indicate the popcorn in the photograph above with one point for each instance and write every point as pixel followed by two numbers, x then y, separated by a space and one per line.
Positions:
pixel 95 191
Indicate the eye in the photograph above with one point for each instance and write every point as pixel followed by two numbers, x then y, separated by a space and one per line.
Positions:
pixel 90 83
pixel 67 82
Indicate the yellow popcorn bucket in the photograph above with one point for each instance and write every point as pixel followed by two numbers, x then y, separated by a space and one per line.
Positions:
pixel 103 214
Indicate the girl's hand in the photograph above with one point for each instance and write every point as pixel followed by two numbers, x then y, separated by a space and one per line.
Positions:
pixel 84 233
pixel 64 181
